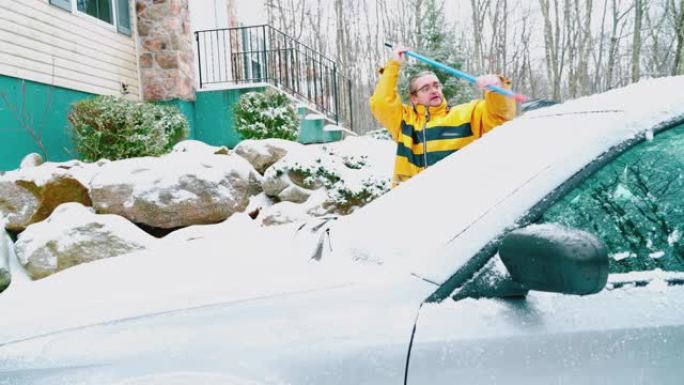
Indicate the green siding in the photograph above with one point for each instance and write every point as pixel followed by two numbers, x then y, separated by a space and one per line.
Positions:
pixel 311 131
pixel 45 110
pixel 215 123
pixel 214 118
pixel 46 107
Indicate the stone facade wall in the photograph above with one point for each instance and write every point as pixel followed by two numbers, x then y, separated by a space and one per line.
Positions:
pixel 166 57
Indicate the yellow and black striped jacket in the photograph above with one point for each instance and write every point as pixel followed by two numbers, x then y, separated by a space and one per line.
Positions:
pixel 425 137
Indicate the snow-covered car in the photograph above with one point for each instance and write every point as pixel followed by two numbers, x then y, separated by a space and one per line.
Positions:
pixel 548 252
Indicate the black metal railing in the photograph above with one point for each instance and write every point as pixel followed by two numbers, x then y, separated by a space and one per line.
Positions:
pixel 263 54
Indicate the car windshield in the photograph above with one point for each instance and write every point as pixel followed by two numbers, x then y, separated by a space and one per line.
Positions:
pixel 634 204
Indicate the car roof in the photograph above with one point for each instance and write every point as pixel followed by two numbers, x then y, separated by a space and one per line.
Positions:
pixel 433 224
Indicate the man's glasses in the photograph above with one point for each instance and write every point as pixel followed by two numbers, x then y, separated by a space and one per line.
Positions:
pixel 428 87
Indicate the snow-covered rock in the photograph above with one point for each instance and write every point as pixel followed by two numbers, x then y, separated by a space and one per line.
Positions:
pixel 174 190
pixel 30 194
pixel 285 190
pixel 74 234
pixel 194 185
pixel 5 272
pixel 256 182
pixel 290 212
pixel 348 178
pixel 294 177
pixel 17 204
pixel 282 213
pixel 263 153
pixel 199 147
pixel 31 160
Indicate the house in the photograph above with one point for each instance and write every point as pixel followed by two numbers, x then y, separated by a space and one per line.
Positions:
pixel 56 52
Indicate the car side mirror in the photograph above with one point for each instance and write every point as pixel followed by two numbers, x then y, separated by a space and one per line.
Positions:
pixel 554 258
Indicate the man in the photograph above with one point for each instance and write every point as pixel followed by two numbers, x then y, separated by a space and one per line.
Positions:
pixel 429 130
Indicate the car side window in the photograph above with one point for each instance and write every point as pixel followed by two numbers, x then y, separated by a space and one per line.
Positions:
pixel 635 204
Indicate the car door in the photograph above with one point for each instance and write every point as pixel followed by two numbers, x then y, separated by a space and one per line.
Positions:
pixel 632 332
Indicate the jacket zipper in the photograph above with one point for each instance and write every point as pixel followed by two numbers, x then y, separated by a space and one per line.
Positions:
pixel 427 119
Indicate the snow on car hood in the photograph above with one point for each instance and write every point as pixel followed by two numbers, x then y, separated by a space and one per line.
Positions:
pixel 235 268
pixel 434 223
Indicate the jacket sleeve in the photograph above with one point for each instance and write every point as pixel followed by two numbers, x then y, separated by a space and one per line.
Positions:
pixel 496 109
pixel 385 103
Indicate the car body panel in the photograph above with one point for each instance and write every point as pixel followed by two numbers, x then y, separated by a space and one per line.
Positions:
pixel 167 279
pixel 627 335
pixel 356 333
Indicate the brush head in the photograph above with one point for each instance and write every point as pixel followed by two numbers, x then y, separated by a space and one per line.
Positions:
pixel 520 98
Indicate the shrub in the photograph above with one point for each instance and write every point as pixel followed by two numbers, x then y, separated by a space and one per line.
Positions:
pixel 348 198
pixel 269 114
pixel 116 128
pixel 347 188
pixel 380 134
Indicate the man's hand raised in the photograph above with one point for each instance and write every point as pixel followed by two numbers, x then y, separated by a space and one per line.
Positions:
pixel 399 53
pixel 487 80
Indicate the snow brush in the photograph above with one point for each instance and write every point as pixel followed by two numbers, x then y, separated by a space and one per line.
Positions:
pixel 463 75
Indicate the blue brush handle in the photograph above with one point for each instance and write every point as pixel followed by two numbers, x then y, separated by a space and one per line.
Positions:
pixel 455 72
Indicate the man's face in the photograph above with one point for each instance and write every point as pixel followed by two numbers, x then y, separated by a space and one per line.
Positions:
pixel 428 91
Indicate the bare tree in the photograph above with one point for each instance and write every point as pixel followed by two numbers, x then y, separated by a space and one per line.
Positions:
pixel 678 15
pixel 342 47
pixel 618 25
pixel 584 46
pixel 658 39
pixel 519 65
pixel 636 38
pixel 318 30
pixel 479 12
pixel 570 45
pixel 598 57
pixel 496 52
pixel 588 45
pixel 552 45
pixel 287 17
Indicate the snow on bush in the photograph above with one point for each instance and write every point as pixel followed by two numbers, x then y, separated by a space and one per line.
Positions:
pixel 351 180
pixel 268 114
pixel 380 134
pixel 116 128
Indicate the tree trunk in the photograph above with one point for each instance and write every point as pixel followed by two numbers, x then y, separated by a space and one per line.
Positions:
pixel 504 38
pixel 551 47
pixel 478 10
pixel 417 13
pixel 571 35
pixel 636 40
pixel 598 63
pixel 678 67
pixel 584 47
pixel 613 47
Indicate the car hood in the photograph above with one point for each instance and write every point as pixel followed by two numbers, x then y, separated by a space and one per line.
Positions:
pixel 162 280
pixel 266 322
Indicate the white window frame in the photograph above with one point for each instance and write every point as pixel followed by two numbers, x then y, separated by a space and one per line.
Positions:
pixel 112 6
